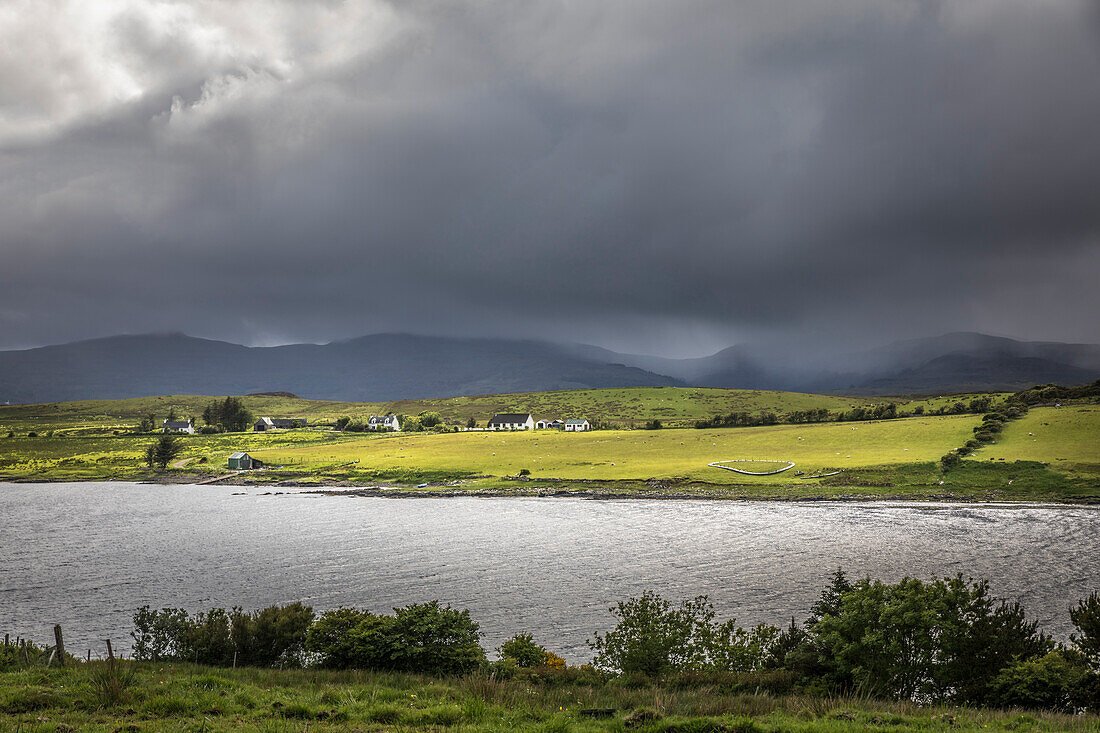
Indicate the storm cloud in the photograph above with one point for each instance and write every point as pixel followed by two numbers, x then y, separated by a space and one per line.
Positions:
pixel 662 177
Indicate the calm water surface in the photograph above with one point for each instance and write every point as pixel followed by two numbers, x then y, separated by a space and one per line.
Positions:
pixel 87 555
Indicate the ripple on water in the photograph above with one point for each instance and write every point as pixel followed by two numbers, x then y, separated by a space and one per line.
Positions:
pixel 88 555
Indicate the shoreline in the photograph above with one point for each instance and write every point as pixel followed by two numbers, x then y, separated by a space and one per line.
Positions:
pixel 576 489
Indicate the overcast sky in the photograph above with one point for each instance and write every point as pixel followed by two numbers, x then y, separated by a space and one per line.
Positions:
pixel 660 177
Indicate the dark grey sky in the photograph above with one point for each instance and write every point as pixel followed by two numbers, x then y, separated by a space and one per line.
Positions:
pixel 662 177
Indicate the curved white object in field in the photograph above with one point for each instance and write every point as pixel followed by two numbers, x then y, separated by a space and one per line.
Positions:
pixel 718 464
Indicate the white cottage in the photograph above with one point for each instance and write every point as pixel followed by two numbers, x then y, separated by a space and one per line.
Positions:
pixel 577 426
pixel 512 421
pixel 383 422
pixel 179 426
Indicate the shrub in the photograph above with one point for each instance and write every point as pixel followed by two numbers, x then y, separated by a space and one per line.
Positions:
pixel 653 638
pixel 950 460
pixel 157 634
pixel 1054 681
pixel 349 638
pixel 523 651
pixel 944 640
pixel 428 637
pixel 1086 617
pixel 273 636
pixel 525 472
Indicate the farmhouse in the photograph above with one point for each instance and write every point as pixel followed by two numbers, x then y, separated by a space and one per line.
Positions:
pixel 512 421
pixel 267 423
pixel 383 422
pixel 179 426
pixel 577 426
pixel 241 461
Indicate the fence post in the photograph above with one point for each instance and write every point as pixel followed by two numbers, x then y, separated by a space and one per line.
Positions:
pixel 60 645
pixel 110 651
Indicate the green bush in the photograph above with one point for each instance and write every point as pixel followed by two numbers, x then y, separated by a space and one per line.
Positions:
pixel 426 638
pixel 1086 617
pixel 349 638
pixel 523 651
pixel 429 637
pixel 653 638
pixel 273 636
pixel 944 640
pixel 1054 681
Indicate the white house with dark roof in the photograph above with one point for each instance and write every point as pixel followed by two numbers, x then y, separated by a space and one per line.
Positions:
pixel 512 421
pixel 383 422
pixel 179 426
pixel 577 426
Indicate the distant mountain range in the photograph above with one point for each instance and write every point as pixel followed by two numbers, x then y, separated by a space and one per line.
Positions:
pixel 397 366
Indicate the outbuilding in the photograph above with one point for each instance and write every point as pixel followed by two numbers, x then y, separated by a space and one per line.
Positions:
pixel 241 461
pixel 577 426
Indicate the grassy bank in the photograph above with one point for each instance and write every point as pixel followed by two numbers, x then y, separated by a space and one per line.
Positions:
pixel 1051 454
pixel 150 697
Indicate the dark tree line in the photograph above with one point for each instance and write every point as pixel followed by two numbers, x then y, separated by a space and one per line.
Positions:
pixel 229 414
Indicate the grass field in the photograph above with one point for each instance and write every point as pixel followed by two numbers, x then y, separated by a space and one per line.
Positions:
pixel 646 454
pixel 1051 434
pixel 629 406
pixel 193 698
pixel 1050 454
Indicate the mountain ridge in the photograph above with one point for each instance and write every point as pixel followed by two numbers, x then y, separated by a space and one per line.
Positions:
pixel 390 366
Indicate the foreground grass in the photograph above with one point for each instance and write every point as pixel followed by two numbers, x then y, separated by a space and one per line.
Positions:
pixel 151 697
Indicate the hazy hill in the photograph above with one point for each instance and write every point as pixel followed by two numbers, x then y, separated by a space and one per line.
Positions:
pixel 372 368
pixel 388 367
pixel 954 362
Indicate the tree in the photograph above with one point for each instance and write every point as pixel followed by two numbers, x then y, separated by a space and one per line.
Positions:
pixel 231 414
pixel 171 413
pixel 349 638
pixel 428 637
pixel 161 453
pixel 148 423
pixel 471 423
pixel 654 638
pixel 522 650
pixel 945 640
pixel 1086 617
pixel 429 419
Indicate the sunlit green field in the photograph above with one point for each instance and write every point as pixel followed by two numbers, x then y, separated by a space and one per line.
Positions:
pixel 645 454
pixel 1051 454
pixel 634 405
pixel 1053 434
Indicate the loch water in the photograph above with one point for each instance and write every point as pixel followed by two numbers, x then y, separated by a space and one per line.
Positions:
pixel 86 555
